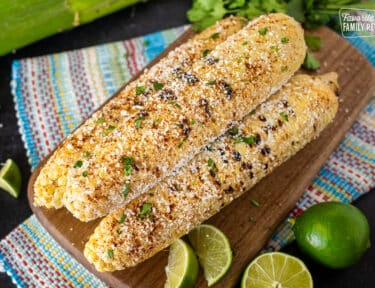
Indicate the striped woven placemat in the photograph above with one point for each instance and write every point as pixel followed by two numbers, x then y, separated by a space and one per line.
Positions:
pixel 54 93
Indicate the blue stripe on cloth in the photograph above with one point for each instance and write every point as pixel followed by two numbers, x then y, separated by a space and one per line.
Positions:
pixel 105 70
pixel 10 271
pixel 23 121
pixel 340 183
pixel 154 45
pixel 322 184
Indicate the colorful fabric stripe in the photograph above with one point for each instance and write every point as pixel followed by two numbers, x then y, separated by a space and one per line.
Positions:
pixel 55 93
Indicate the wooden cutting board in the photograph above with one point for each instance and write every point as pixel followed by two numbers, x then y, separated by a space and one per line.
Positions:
pixel 277 193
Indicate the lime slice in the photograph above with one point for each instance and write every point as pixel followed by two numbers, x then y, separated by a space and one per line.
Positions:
pixel 278 270
pixel 10 178
pixel 182 268
pixel 213 250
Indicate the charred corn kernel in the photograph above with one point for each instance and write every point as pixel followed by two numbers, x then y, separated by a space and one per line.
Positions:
pixel 264 140
pixel 82 141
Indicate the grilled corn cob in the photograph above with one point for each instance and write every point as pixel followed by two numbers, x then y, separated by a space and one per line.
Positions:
pixel 220 173
pixel 51 183
pixel 214 92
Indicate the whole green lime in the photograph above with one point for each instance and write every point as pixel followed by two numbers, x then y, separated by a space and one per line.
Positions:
pixel 333 234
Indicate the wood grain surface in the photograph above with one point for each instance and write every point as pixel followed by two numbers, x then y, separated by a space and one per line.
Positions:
pixel 277 193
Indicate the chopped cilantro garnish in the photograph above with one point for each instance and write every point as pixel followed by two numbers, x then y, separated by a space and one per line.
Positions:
pixel 211 163
pixel 284 116
pixel 174 104
pixel 126 190
pixel 158 86
pixel 276 49
pixel 313 42
pixel 284 40
pixel 84 173
pixel 212 82
pixel 122 219
pixel 145 210
pixel 192 122
pixel 128 170
pixel 310 63
pixel 179 125
pixel 263 31
pixel 233 132
pixel 78 164
pixel 110 253
pixel 151 194
pixel 128 162
pixel 100 120
pixel 139 90
pixel 156 122
pixel 111 127
pixel 248 140
pixel 119 232
pixel 284 68
pixel 245 43
pixel 254 202
pixel 86 154
pixel 253 112
pixel 215 35
pixel 179 145
pixel 138 121
pixel 205 52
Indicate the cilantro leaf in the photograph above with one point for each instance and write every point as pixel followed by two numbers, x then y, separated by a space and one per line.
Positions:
pixel 145 210
pixel 296 9
pixel 310 63
pixel 311 13
pixel 248 140
pixel 313 42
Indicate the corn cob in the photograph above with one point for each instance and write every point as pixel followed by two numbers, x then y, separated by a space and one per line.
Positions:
pixel 243 71
pixel 220 173
pixel 51 183
pixel 25 22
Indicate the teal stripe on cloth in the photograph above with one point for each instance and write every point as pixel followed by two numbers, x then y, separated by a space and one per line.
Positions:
pixel 55 91
pixel 28 254
pixel 23 121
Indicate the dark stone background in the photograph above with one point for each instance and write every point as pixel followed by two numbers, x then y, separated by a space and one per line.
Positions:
pixel 137 20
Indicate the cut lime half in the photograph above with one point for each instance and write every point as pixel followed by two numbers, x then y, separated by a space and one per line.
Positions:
pixel 182 268
pixel 10 178
pixel 276 270
pixel 213 250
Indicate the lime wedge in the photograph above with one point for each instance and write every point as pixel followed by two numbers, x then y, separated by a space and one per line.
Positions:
pixel 10 178
pixel 182 268
pixel 213 250
pixel 278 270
